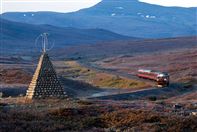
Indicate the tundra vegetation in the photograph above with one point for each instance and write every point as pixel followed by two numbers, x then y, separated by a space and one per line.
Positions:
pixel 73 115
pixel 73 70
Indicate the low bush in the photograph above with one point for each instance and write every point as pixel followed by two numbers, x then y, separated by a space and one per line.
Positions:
pixel 92 118
pixel 152 98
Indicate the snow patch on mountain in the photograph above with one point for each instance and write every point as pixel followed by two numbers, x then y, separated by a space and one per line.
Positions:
pixel 149 16
pixel 113 14
pixel 121 8
pixel 146 15
pixel 152 16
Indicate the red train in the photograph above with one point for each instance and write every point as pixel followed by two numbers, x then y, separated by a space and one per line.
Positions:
pixel 161 78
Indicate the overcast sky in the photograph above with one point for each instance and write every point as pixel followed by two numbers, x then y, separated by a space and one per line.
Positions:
pixel 74 5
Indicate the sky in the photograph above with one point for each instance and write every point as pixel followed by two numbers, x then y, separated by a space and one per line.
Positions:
pixel 73 5
pixel 181 3
pixel 45 5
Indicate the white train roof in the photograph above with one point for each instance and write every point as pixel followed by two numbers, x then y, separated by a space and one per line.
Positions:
pixel 161 74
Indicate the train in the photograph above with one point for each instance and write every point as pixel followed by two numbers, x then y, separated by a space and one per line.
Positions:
pixel 162 78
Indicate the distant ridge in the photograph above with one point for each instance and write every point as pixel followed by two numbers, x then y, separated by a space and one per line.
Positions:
pixel 125 48
pixel 16 37
pixel 127 17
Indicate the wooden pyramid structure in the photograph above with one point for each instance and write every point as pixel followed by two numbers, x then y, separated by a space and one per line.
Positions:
pixel 45 83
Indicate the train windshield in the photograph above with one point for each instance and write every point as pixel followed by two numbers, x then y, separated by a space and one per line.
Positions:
pixel 163 75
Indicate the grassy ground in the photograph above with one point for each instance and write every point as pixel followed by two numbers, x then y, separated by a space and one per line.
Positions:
pixel 107 80
pixel 103 80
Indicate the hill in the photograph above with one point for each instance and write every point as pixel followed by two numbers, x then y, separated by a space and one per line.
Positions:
pixel 16 37
pixel 127 17
pixel 124 48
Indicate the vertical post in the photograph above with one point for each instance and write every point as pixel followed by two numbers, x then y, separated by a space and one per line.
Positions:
pixel 44 42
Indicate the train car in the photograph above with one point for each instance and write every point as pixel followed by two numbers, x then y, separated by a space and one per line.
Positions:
pixel 161 78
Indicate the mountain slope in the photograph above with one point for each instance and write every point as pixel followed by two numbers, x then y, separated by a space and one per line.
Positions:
pixel 18 36
pixel 125 48
pixel 128 17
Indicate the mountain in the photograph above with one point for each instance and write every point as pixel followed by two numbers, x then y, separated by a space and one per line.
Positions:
pixel 19 36
pixel 127 17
